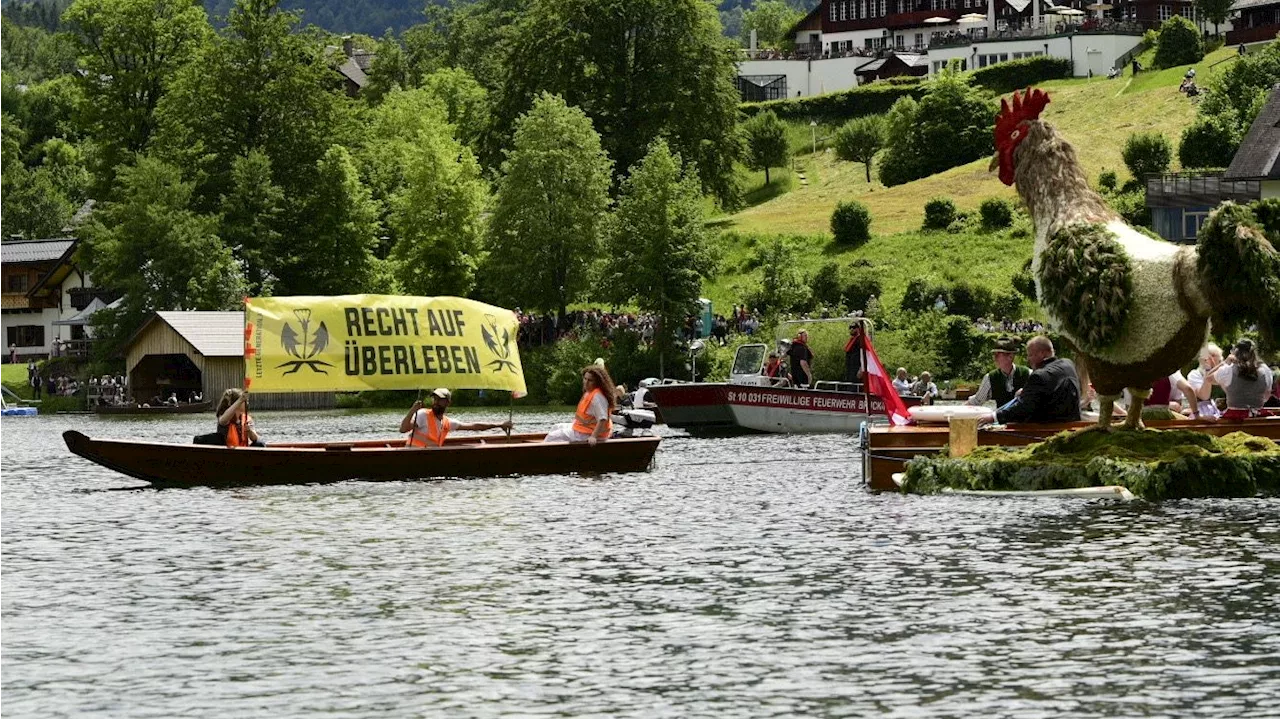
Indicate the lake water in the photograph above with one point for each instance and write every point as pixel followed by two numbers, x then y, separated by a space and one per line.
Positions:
pixel 745 577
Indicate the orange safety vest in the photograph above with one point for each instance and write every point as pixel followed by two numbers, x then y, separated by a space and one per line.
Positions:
pixel 436 431
pixel 585 423
pixel 236 436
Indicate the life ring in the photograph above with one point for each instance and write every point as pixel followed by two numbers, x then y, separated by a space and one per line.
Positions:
pixel 943 413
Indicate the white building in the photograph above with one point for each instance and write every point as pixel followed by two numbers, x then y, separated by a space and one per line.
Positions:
pixel 43 285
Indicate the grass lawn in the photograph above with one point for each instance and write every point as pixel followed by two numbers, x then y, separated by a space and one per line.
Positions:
pixel 1096 115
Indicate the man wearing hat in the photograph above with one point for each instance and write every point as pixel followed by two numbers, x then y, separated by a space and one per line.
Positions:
pixel 1002 383
pixel 430 428
pixel 853 354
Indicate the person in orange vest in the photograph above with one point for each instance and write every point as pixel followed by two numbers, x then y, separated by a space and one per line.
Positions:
pixel 430 428
pixel 235 424
pixel 591 421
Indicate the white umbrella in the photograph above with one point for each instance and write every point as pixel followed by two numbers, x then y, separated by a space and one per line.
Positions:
pixel 1071 12
pixel 938 21
pixel 1100 6
pixel 971 18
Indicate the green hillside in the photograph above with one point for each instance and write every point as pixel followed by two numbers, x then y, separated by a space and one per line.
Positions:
pixel 1096 115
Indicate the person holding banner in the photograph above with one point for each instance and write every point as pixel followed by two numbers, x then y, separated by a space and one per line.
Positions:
pixel 235 426
pixel 591 421
pixel 430 428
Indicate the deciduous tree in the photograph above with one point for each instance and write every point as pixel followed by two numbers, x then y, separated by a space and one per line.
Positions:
pixel 130 50
pixel 766 142
pixel 640 69
pixel 1215 11
pixel 659 246
pixel 552 200
pixel 151 246
pixel 251 214
pixel 770 19
pixel 859 139
pixel 436 217
pixel 332 254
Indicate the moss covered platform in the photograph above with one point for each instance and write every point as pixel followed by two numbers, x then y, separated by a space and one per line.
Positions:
pixel 1152 464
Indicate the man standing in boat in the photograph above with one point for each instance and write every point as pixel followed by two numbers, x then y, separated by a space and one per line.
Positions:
pixel 430 428
pixel 853 350
pixel 1002 383
pixel 800 357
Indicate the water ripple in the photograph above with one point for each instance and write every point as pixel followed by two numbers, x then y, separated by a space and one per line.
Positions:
pixel 744 577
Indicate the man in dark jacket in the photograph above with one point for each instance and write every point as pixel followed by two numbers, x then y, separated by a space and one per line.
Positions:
pixel 1052 393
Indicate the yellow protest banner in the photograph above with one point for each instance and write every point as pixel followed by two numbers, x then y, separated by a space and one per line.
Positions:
pixel 359 342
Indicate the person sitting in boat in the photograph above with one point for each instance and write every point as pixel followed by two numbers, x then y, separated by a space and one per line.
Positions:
pixel 1052 393
pixel 925 388
pixel 775 370
pixel 1002 383
pixel 1203 405
pixel 591 421
pixel 430 428
pixel 799 358
pixel 1246 380
pixel 235 424
pixel 902 381
pixel 173 399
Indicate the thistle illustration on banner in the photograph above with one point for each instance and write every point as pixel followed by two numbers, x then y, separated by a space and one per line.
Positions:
pixel 309 346
pixel 501 349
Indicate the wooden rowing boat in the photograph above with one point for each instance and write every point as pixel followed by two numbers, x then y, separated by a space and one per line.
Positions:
pixel 193 465
pixel 192 408
pixel 885 449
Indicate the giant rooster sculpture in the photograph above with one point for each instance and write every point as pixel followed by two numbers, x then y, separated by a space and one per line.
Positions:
pixel 1135 308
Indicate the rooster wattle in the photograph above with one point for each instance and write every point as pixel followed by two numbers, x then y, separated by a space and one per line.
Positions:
pixel 1134 307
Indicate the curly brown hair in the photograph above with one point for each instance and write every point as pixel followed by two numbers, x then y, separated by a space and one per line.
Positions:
pixel 603 382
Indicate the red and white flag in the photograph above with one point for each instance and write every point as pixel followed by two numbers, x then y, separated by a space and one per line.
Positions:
pixel 878 383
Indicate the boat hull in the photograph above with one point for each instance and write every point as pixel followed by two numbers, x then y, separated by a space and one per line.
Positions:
pixel 179 465
pixel 195 408
pixel 721 408
pixel 886 450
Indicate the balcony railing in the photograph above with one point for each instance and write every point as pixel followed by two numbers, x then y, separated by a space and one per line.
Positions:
pixel 1198 189
pixel 1253 34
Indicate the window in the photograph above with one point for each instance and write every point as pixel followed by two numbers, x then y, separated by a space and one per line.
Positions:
pixel 900 41
pixel 832 12
pixel 17 282
pixel 26 335
pixel 844 11
pixel 1192 221
pixel 882 12
pixel 919 39
pixel 1164 12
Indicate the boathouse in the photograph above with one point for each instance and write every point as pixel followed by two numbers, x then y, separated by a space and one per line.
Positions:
pixel 189 352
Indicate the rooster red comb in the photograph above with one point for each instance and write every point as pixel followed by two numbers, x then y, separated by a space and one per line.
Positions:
pixel 1026 106
pixel 1009 130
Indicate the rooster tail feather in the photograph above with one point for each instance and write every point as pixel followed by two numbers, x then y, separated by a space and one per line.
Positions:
pixel 1239 272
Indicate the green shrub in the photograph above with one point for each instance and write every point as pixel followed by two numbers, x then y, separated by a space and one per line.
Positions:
pixel 1268 213
pixel 1132 206
pixel 1016 74
pixel 860 285
pixel 1146 153
pixel 1025 283
pixel 939 213
pixel 969 300
pixel 1210 141
pixel 765 140
pixel 851 223
pixel 826 285
pixel 1108 180
pixel 996 214
pixel 1179 43
pixel 874 99
pixel 951 125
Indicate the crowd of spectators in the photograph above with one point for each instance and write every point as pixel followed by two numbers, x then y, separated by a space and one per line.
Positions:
pixel 1007 325
pixel 537 330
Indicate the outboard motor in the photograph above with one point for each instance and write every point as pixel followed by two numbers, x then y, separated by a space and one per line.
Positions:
pixel 633 422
